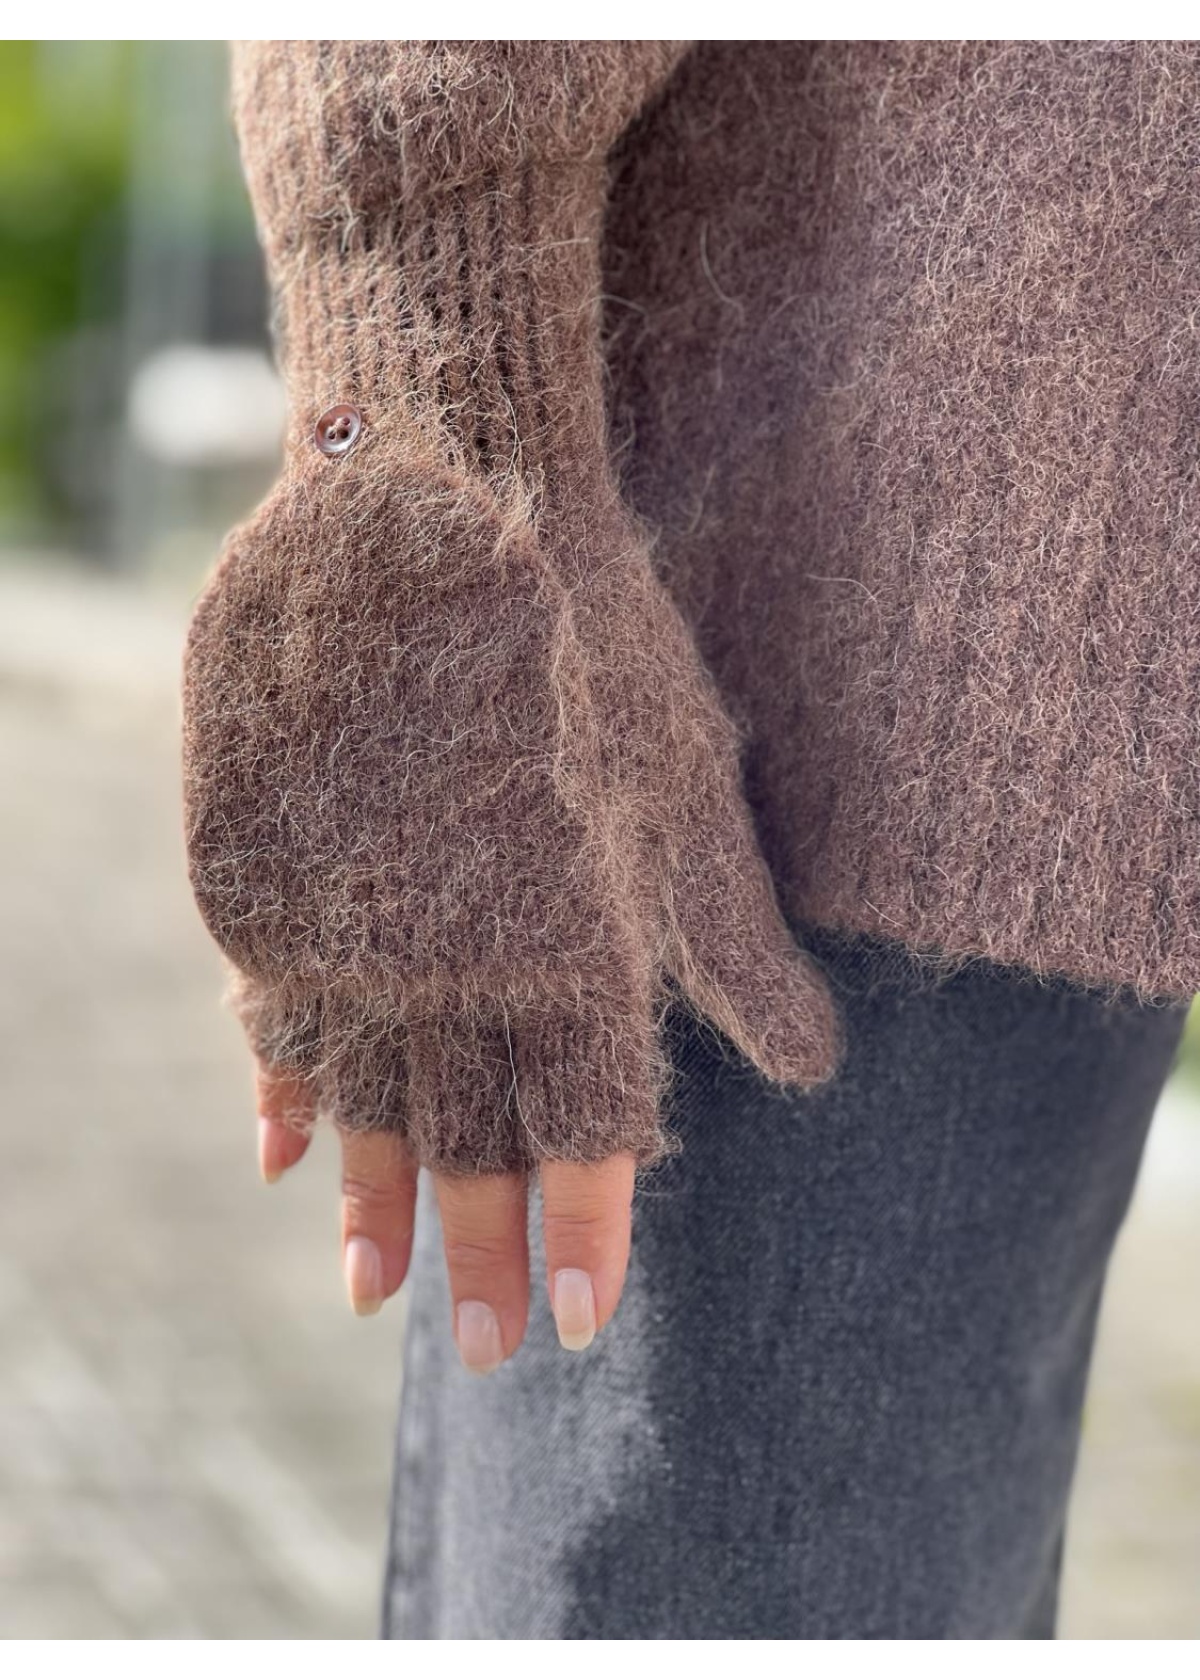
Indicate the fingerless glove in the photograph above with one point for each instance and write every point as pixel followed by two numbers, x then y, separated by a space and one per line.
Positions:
pixel 463 809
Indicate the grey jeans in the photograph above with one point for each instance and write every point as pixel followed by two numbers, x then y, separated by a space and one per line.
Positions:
pixel 842 1395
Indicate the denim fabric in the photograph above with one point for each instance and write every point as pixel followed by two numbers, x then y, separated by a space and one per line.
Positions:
pixel 842 1396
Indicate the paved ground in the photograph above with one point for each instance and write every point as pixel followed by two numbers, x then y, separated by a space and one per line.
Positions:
pixel 193 1429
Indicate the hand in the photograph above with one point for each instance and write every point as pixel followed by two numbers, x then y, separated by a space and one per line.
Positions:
pixel 464 810
pixel 464 816
pixel 586 1220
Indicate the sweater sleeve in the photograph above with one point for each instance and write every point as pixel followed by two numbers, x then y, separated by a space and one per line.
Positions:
pixel 431 215
pixel 463 809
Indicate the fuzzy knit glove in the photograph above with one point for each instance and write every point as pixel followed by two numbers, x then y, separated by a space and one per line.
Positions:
pixel 463 809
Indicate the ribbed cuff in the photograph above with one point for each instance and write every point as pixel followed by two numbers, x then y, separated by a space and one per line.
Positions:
pixel 471 1089
pixel 470 324
pixel 589 1089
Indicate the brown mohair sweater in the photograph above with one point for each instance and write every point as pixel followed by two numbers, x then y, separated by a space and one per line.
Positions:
pixel 842 397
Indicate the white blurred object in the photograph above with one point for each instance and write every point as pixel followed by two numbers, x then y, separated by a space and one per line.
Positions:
pixel 194 406
pixel 1171 1165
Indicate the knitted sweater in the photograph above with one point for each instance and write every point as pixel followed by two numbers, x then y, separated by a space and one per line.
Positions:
pixel 834 399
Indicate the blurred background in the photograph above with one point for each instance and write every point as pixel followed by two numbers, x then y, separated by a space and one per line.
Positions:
pixel 194 1431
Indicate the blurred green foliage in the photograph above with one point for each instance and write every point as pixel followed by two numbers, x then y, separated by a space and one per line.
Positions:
pixel 64 144
pixel 124 226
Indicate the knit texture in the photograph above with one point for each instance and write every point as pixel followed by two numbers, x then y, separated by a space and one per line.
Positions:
pixel 463 807
pixel 884 455
pixel 906 376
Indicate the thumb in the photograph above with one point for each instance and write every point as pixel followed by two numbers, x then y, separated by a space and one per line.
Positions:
pixel 731 952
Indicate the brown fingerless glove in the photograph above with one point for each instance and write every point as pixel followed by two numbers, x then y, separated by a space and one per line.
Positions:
pixel 463 809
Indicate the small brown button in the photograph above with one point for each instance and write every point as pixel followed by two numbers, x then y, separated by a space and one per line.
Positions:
pixel 338 429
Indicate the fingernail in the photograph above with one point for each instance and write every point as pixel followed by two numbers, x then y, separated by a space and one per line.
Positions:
pixel 265 1136
pixel 364 1276
pixel 574 1308
pixel 477 1332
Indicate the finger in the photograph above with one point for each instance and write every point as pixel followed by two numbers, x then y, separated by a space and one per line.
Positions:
pixel 586 1215
pixel 733 955
pixel 279 1148
pixel 462 1121
pixel 286 1111
pixel 379 1195
pixel 485 1232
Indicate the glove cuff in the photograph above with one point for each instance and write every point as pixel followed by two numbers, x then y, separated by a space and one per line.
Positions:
pixel 467 326
pixel 473 1087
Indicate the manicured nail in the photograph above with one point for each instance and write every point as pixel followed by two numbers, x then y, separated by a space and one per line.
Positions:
pixel 477 1332
pixel 574 1308
pixel 271 1173
pixel 364 1276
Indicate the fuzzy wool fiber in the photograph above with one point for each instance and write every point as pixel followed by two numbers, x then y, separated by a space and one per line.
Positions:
pixel 834 403
pixel 904 341
pixel 464 810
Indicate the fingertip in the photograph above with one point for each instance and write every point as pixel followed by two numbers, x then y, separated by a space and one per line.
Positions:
pixel 379 1193
pixel 362 1265
pixel 485 1236
pixel 479 1338
pixel 573 1301
pixel 269 1169
pixel 279 1148
pixel 587 1215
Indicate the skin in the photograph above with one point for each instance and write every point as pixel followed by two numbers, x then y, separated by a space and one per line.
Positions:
pixel 586 1225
